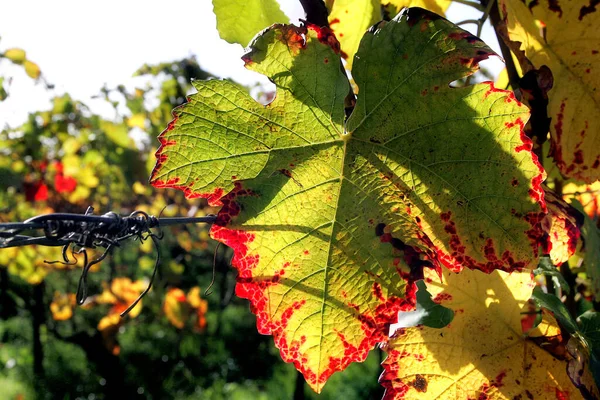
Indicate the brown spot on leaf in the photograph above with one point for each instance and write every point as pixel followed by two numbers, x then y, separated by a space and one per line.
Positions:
pixel 585 10
pixel 420 384
pixel 554 6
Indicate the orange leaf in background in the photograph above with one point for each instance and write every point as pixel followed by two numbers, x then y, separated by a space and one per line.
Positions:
pixel 121 294
pixel 587 195
pixel 62 306
pixel 108 327
pixel 175 307
pixel 178 307
pixel 126 290
pixel 62 183
pixel 200 305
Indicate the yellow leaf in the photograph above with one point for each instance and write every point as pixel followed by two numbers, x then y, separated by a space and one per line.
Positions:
pixel 139 188
pixel 71 146
pixel 587 195
pixel 126 290
pixel 18 56
pixel 61 306
pixel 137 121
pixel 193 297
pixel 109 322
pixel 561 227
pixel 548 327
pixel 393 7
pixel 567 44
pixel 349 19
pixel 482 353
pixel 175 307
pixel 32 69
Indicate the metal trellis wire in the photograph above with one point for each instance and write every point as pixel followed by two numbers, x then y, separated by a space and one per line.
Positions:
pixel 79 232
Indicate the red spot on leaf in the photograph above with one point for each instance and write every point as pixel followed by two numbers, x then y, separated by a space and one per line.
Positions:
pixel 442 297
pixel 463 35
pixel 594 51
pixel 377 291
pixel 457 258
pixel 326 36
pixel 561 395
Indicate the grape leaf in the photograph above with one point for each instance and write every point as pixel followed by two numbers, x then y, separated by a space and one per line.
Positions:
pixel 562 228
pixel 349 19
pixel 567 44
pixel 331 222
pixel 483 353
pixel 587 195
pixel 437 6
pixel 239 20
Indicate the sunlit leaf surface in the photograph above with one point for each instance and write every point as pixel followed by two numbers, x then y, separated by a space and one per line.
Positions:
pixel 331 221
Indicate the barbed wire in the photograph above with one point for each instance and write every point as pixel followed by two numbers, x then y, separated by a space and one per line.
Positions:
pixel 80 232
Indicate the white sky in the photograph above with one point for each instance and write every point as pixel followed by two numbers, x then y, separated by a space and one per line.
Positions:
pixel 81 45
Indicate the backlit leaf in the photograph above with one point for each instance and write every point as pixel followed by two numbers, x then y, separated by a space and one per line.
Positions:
pixel 568 45
pixel 62 306
pixel 587 195
pixel 562 229
pixel 349 20
pixel 32 69
pixel 331 223
pixel 239 20
pixel 176 308
pixel 483 353
pixel 437 6
pixel 18 56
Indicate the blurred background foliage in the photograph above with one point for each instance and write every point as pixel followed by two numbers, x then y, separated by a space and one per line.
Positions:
pixel 179 342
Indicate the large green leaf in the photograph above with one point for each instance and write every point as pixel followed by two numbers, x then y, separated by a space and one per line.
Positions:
pixel 331 222
pixel 239 20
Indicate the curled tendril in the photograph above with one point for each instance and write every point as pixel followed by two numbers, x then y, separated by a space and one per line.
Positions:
pixel 88 231
pixel 208 290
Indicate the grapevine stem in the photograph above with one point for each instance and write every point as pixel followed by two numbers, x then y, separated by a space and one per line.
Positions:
pixel 470 4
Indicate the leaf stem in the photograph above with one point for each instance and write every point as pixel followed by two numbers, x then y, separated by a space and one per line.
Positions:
pixel 468 21
pixel 316 12
pixel 501 34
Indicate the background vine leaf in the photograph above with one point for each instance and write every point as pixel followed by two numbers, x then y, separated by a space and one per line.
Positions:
pixel 483 352
pixel 561 36
pixel 239 20
pixel 332 222
pixel 349 20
